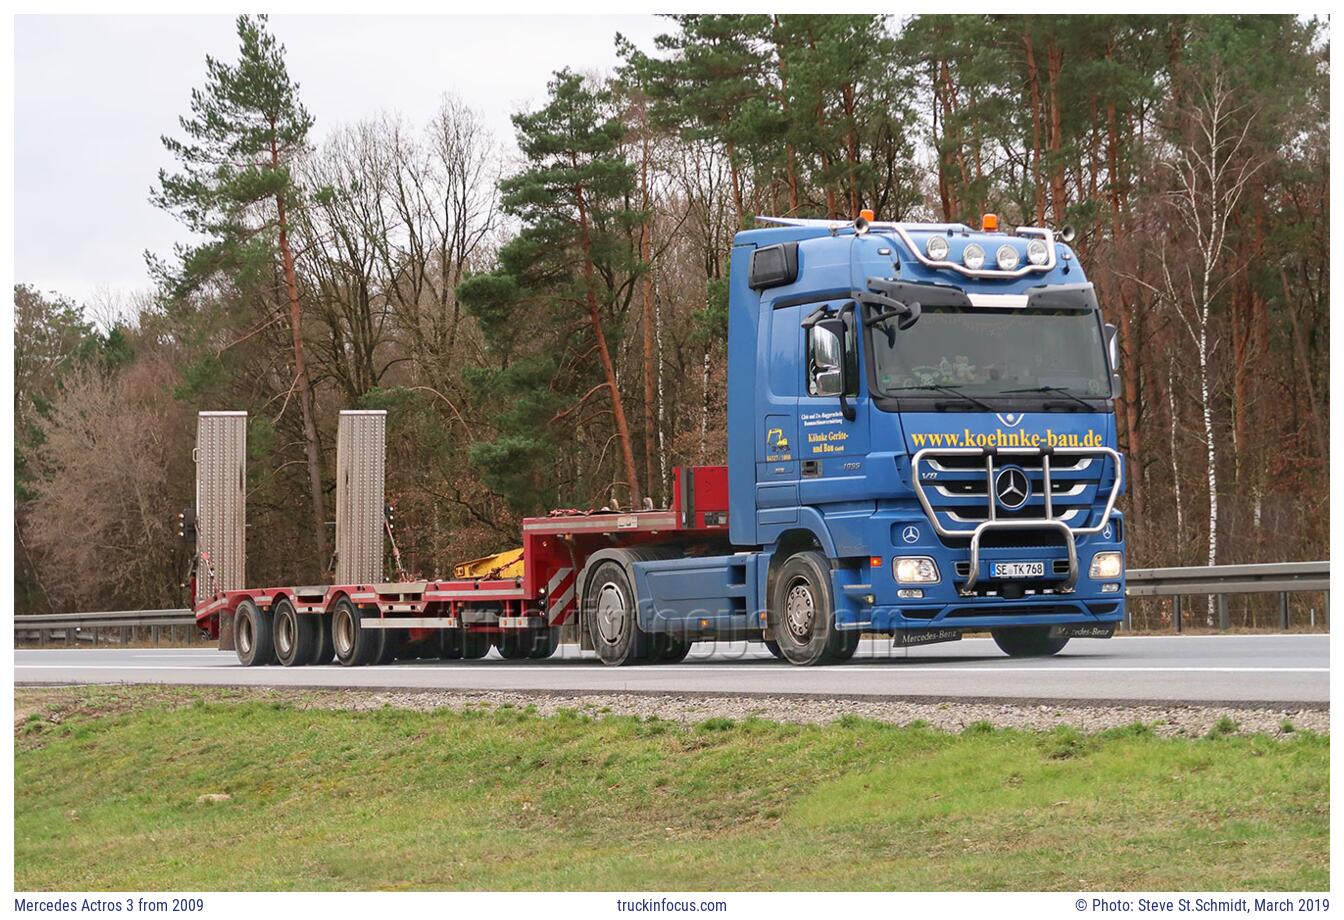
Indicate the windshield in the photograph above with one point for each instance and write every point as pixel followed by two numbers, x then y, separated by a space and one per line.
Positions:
pixel 992 352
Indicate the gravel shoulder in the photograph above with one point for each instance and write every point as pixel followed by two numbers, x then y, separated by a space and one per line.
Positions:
pixel 58 703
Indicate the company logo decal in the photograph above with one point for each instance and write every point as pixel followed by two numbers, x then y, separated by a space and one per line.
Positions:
pixel 1001 438
pixel 1011 419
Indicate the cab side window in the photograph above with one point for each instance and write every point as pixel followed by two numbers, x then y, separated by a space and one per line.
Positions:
pixel 823 361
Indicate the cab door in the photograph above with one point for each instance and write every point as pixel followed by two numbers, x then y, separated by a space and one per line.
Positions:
pixel 832 449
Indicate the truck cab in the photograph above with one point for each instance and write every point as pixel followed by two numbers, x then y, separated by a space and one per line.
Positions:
pixel 921 436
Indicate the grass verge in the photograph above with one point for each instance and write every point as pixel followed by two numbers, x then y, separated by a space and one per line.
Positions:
pixel 506 799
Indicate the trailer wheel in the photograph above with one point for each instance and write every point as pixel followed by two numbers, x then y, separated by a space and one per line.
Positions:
pixel 353 644
pixel 393 646
pixel 296 634
pixel 252 635
pixel 325 651
pixel 802 614
pixel 450 644
pixel 514 644
pixel 475 645
pixel 1028 641
pixel 611 617
pixel 545 643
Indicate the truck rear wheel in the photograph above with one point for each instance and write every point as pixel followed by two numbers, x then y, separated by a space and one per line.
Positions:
pixel 802 613
pixel 252 635
pixel 354 645
pixel 610 616
pixel 296 634
pixel 1028 641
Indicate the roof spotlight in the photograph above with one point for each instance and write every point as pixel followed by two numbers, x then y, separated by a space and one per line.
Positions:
pixel 1007 257
pixel 1037 253
pixel 936 247
pixel 974 257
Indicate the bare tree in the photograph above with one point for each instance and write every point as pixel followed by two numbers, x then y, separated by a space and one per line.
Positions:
pixel 1210 168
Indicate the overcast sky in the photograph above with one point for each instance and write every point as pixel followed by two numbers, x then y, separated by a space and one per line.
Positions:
pixel 93 94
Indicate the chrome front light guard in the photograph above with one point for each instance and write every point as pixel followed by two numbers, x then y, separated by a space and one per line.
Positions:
pixel 1048 522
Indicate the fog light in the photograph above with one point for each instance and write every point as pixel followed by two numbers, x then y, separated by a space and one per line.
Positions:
pixel 910 593
pixel 1106 565
pixel 914 570
pixel 1111 588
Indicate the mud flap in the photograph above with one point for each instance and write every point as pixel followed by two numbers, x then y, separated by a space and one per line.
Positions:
pixel 226 631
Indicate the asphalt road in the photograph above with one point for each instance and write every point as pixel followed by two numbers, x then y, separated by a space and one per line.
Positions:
pixel 1272 670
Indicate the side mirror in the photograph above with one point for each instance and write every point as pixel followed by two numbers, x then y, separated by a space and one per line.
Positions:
pixel 1113 355
pixel 831 377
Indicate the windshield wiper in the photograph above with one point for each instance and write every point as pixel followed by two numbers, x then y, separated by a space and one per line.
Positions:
pixel 953 389
pixel 1062 391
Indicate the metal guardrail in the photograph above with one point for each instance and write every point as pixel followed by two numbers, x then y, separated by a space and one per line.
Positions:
pixel 80 626
pixel 1222 581
pixel 1218 581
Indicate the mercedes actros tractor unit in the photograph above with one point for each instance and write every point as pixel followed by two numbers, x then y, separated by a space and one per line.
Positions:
pixel 921 444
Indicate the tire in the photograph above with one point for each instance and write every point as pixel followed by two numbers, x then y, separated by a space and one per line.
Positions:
pixel 847 645
pixel 252 638
pixel 514 644
pixel 325 650
pixel 296 634
pixel 475 645
pixel 610 616
pixel 393 647
pixel 802 613
pixel 450 644
pixel 354 645
pixel 544 643
pixel 772 647
pixel 1028 642
pixel 665 648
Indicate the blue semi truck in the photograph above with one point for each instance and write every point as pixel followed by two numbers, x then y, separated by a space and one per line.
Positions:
pixel 921 443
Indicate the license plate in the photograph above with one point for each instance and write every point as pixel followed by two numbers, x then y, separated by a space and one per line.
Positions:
pixel 1017 570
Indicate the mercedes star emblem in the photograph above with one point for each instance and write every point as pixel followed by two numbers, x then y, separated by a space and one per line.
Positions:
pixel 1012 488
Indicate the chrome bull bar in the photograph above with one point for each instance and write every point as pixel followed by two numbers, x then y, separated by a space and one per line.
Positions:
pixel 1048 522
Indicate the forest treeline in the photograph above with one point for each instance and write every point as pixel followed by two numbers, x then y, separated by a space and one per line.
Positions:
pixel 546 328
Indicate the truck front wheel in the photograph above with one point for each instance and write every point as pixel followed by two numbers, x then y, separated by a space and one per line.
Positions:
pixel 802 614
pixel 1028 641
pixel 610 616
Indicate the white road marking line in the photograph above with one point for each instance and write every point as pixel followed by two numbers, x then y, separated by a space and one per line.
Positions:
pixel 684 669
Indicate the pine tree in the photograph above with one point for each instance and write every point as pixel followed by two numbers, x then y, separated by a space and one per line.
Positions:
pixel 236 190
pixel 573 199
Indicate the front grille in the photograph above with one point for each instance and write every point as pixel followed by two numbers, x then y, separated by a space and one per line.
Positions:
pixel 958 488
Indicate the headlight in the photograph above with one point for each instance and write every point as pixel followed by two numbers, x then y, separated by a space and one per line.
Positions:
pixel 1037 253
pixel 1106 565
pixel 936 247
pixel 973 256
pixel 1007 258
pixel 915 570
